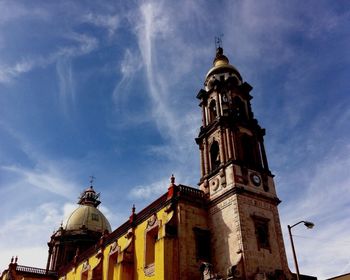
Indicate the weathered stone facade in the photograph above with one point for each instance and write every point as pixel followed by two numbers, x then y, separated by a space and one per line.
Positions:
pixel 242 214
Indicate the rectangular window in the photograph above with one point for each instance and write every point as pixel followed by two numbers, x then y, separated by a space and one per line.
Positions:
pixel 202 239
pixel 262 232
pixel 151 238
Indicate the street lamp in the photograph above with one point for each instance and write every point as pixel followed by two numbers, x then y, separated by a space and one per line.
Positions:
pixel 309 225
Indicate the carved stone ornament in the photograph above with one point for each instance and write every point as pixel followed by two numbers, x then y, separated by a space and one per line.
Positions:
pixel 99 254
pixel 86 266
pixel 115 248
pixel 152 220
pixel 129 234
pixel 207 271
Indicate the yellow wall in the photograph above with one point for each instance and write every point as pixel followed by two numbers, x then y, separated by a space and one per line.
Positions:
pixel 129 260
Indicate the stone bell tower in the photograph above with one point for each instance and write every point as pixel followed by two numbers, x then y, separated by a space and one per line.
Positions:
pixel 246 236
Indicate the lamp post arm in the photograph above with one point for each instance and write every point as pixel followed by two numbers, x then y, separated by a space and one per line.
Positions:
pixel 296 224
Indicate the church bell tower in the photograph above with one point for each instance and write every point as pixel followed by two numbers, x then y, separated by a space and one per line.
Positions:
pixel 246 236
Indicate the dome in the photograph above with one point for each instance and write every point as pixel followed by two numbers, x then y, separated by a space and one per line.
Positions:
pixel 87 217
pixel 221 65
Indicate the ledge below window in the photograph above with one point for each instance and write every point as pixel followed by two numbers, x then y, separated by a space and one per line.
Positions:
pixel 149 269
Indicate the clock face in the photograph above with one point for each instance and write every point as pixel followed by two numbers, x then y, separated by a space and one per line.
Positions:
pixel 256 180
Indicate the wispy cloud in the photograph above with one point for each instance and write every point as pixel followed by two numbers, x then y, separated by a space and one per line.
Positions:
pixel 160 47
pixel 37 226
pixel 152 190
pixel 85 45
pixel 11 10
pixel 66 83
pixel 128 68
pixel 110 22
pixel 41 172
pixel 153 25
pixel 47 180
pixel 7 73
pixel 326 192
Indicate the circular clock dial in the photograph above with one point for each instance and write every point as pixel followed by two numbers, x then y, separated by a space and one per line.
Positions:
pixel 256 179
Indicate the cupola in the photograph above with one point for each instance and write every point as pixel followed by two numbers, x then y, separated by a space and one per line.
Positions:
pixel 87 216
pixel 222 69
pixel 83 229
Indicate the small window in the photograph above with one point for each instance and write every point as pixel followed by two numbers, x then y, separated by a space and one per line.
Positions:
pixel 202 239
pixel 94 217
pixel 151 237
pixel 262 232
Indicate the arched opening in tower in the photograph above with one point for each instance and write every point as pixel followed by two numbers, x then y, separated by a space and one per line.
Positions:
pixel 214 155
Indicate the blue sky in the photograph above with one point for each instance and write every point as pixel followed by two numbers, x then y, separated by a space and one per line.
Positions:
pixel 109 90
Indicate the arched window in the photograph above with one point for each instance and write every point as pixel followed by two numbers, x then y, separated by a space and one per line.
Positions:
pixel 239 109
pixel 212 111
pixel 250 153
pixel 214 155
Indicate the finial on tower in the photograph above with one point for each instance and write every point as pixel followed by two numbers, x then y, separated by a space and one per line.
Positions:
pixel 133 214
pixel 172 187
pixel 92 179
pixel 218 41
pixel 172 179
pixel 220 58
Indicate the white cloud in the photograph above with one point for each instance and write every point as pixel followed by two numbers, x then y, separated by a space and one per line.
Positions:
pixel 47 179
pixel 34 256
pixel 7 73
pixel 82 45
pixel 161 46
pixel 85 44
pixel 149 191
pixel 130 64
pixel 110 22
pixel 129 67
pixel 35 225
pixel 152 25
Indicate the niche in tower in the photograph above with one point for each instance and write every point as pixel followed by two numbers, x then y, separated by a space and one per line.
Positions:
pixel 212 111
pixel 214 155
